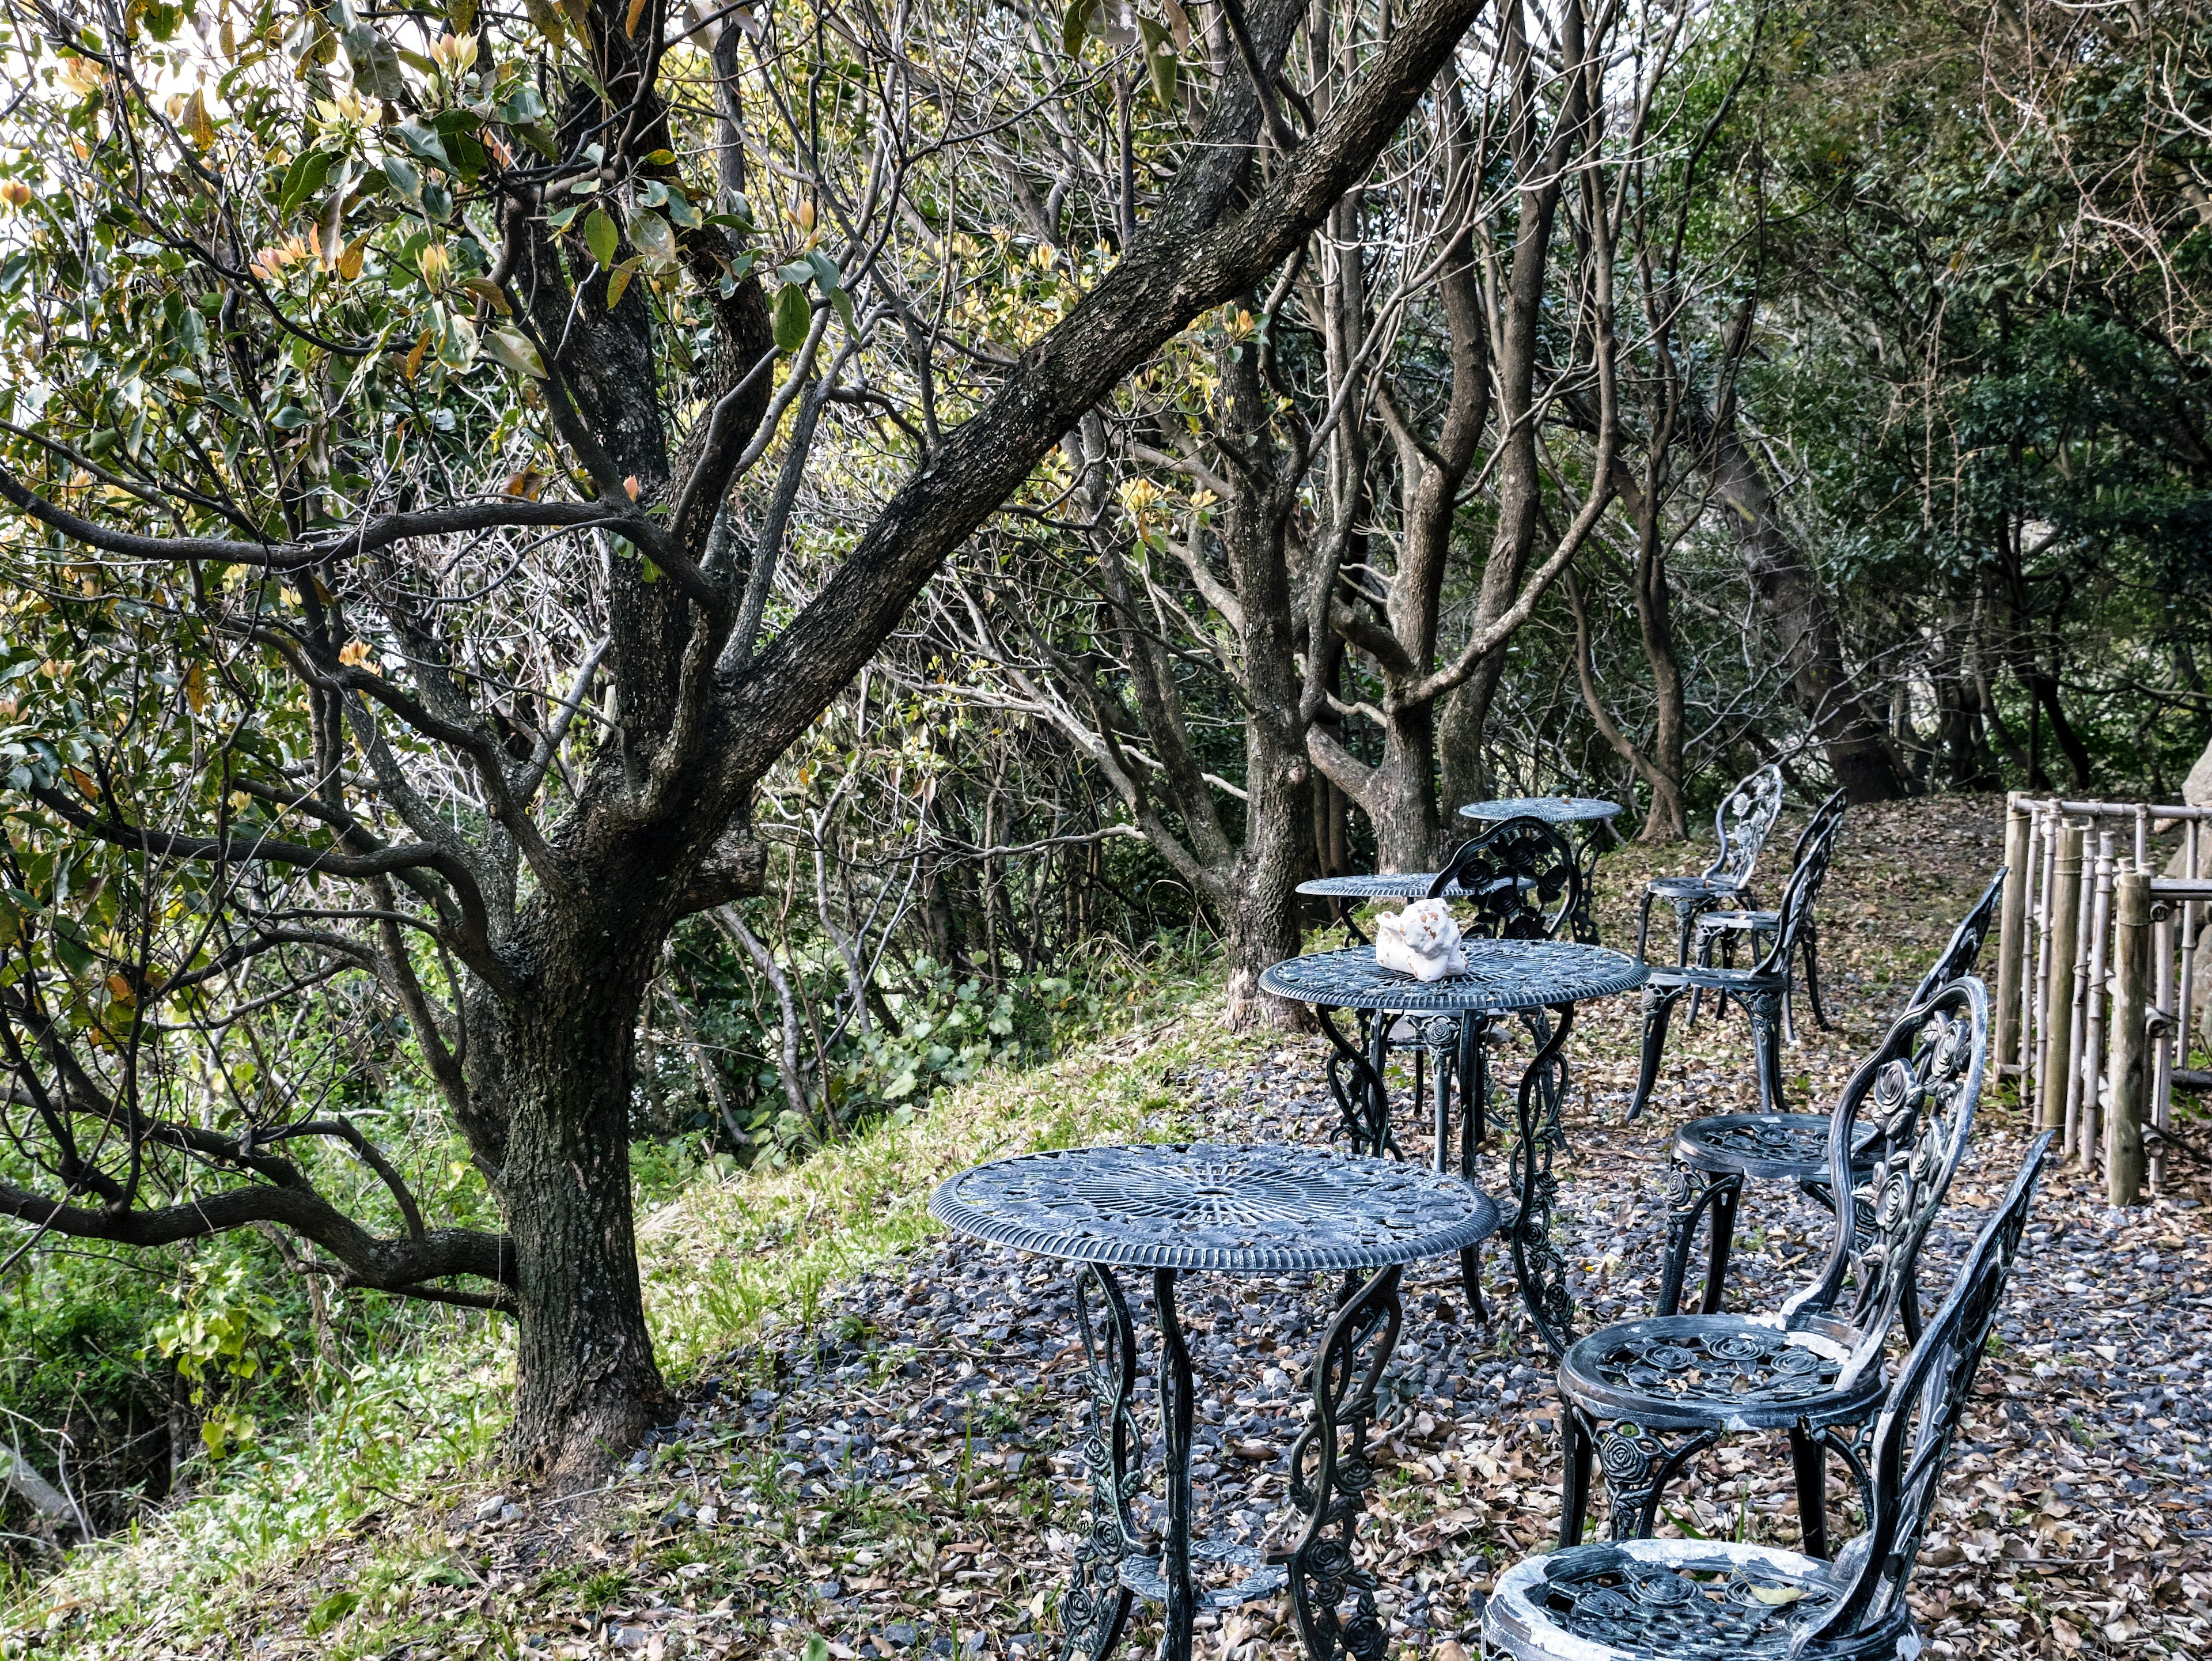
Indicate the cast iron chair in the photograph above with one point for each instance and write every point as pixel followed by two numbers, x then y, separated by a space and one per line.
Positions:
pixel 1644 1396
pixel 1723 928
pixel 1759 988
pixel 1711 1158
pixel 1708 1600
pixel 1743 824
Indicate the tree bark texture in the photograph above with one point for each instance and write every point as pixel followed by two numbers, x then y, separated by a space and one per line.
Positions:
pixel 1851 734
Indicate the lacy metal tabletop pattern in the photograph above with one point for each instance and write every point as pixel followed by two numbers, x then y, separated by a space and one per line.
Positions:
pixel 1696 1359
pixel 1553 810
pixel 1704 1606
pixel 1382 886
pixel 1500 975
pixel 1215 1206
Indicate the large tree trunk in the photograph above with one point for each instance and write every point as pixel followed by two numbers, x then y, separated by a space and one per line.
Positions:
pixel 588 1384
pixel 1851 737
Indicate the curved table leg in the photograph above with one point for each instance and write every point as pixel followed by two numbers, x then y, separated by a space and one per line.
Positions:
pixel 1361 1103
pixel 1177 1404
pixel 1541 1271
pixel 1330 1477
pixel 1094 1607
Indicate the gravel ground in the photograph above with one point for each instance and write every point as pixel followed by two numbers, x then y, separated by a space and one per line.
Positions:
pixel 901 1479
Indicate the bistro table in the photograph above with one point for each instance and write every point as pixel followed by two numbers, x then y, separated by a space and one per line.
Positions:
pixel 1346 893
pixel 1453 1017
pixel 1232 1210
pixel 1588 811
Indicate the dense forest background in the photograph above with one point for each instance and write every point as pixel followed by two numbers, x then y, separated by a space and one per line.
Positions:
pixel 1678 388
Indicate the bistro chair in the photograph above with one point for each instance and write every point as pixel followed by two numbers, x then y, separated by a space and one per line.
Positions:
pixel 1723 928
pixel 1711 1158
pixel 1643 1397
pixel 1759 988
pixel 1704 1600
pixel 1743 823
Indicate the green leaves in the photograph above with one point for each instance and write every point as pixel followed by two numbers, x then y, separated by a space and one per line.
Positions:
pixel 793 317
pixel 1075 23
pixel 302 180
pixel 601 237
pixel 1160 62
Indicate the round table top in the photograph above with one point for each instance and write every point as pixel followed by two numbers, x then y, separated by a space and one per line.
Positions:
pixel 1379 886
pixel 1553 810
pixel 1499 975
pixel 1237 1210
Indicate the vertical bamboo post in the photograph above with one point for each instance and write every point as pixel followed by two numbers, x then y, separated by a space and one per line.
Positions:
pixel 2162 1061
pixel 2046 843
pixel 2089 1005
pixel 2142 836
pixel 2190 919
pixel 2057 999
pixel 2124 1116
pixel 2012 918
pixel 2034 925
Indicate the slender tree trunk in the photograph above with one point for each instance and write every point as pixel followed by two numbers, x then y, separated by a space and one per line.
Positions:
pixel 1851 734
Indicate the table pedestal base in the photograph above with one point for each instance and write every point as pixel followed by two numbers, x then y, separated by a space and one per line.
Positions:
pixel 1332 1596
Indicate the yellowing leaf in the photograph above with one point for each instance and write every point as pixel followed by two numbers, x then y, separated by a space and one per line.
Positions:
pixel 196 125
pixel 349 262
pixel 195 688
pixel 629 22
pixel 516 352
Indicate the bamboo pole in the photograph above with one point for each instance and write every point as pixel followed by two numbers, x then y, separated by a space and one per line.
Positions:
pixel 2012 917
pixel 2162 1047
pixel 2057 1000
pixel 2190 921
pixel 2032 932
pixel 2143 837
pixel 2047 844
pixel 2090 1008
pixel 2123 1140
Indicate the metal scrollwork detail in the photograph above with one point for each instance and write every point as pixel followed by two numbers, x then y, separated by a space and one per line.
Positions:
pixel 1637 1464
pixel 1331 1476
pixel 1095 1606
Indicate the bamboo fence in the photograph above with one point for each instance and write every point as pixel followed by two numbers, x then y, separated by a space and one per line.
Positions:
pixel 2097 961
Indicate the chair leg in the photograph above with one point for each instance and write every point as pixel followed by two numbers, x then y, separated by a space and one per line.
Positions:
pixel 1644 923
pixel 1688 1194
pixel 1726 1190
pixel 1686 917
pixel 1765 1009
pixel 1808 1453
pixel 1911 1309
pixel 1658 1005
pixel 1813 976
pixel 1575 1483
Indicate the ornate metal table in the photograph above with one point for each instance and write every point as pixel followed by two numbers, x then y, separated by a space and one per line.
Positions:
pixel 1589 812
pixel 1453 1019
pixel 1345 892
pixel 1553 810
pixel 1232 1210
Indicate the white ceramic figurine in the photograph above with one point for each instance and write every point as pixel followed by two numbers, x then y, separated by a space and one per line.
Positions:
pixel 1422 941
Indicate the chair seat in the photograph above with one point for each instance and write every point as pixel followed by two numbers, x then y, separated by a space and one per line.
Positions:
pixel 1711 975
pixel 1755 921
pixel 1690 888
pixel 1685 1599
pixel 1777 1147
pixel 1686 1372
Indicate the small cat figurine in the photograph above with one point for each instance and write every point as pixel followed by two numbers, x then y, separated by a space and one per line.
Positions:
pixel 1422 941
